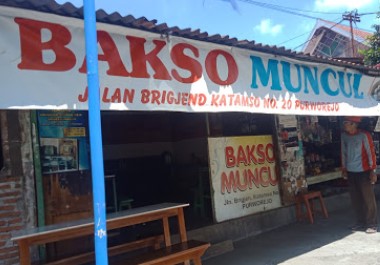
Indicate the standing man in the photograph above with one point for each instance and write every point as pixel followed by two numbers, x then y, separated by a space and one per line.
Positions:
pixel 359 168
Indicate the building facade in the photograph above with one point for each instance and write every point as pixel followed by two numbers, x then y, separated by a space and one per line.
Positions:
pixel 164 125
pixel 332 40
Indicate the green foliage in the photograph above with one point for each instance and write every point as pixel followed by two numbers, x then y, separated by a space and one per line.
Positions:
pixel 372 55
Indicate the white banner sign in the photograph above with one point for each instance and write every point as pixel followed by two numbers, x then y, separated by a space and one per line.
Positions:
pixel 243 176
pixel 42 65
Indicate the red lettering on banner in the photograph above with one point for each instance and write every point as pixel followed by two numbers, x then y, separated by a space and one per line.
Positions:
pixel 83 97
pixel 270 103
pixel 32 46
pixel 230 157
pixel 269 153
pixel 265 182
pixel 256 154
pixel 158 97
pixel 260 154
pixel 251 153
pixel 110 55
pixel 241 180
pixel 223 100
pixel 117 96
pixel 140 58
pixel 211 68
pixel 241 157
pixel 234 100
pixel 316 106
pixel 215 100
pixel 185 62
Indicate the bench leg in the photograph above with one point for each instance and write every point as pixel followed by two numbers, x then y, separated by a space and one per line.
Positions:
pixel 299 208
pixel 165 221
pixel 197 261
pixel 324 210
pixel 311 201
pixel 24 253
pixel 308 211
pixel 182 226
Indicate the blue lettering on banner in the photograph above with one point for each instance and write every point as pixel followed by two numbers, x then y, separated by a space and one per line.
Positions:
pixel 264 75
pixel 307 79
pixel 287 77
pixel 311 79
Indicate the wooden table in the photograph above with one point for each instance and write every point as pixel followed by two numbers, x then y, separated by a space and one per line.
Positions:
pixel 58 232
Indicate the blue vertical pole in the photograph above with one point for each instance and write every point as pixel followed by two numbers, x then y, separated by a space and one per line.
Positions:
pixel 100 224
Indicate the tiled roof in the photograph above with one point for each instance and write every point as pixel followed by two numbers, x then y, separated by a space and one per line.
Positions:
pixel 69 10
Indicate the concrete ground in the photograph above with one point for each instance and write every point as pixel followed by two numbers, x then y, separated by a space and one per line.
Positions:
pixel 327 241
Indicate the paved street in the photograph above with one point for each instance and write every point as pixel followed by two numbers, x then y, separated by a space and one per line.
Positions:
pixel 327 241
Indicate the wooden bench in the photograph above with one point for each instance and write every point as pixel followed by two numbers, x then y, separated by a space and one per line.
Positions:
pixel 154 242
pixel 54 233
pixel 174 254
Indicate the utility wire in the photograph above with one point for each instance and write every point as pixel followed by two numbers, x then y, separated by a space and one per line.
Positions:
pixel 308 32
pixel 356 41
pixel 316 36
pixel 296 37
pixel 290 10
pixel 348 47
pixel 273 7
pixel 284 9
pixel 369 13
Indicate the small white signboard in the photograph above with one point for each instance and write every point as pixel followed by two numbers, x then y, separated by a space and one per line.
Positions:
pixel 243 176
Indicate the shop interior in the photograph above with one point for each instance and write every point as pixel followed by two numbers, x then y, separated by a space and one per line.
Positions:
pixel 154 157
pixel 149 158
pixel 161 157
pixel 321 150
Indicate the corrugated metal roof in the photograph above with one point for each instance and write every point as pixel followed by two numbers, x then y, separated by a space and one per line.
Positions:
pixel 69 10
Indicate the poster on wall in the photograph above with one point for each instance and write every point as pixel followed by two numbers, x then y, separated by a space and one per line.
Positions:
pixel 64 143
pixel 59 154
pixel 243 176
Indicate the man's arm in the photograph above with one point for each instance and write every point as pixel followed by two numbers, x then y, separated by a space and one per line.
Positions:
pixel 343 156
pixel 370 149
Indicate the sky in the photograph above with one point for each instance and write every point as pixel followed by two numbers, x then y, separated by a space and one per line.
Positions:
pixel 285 23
